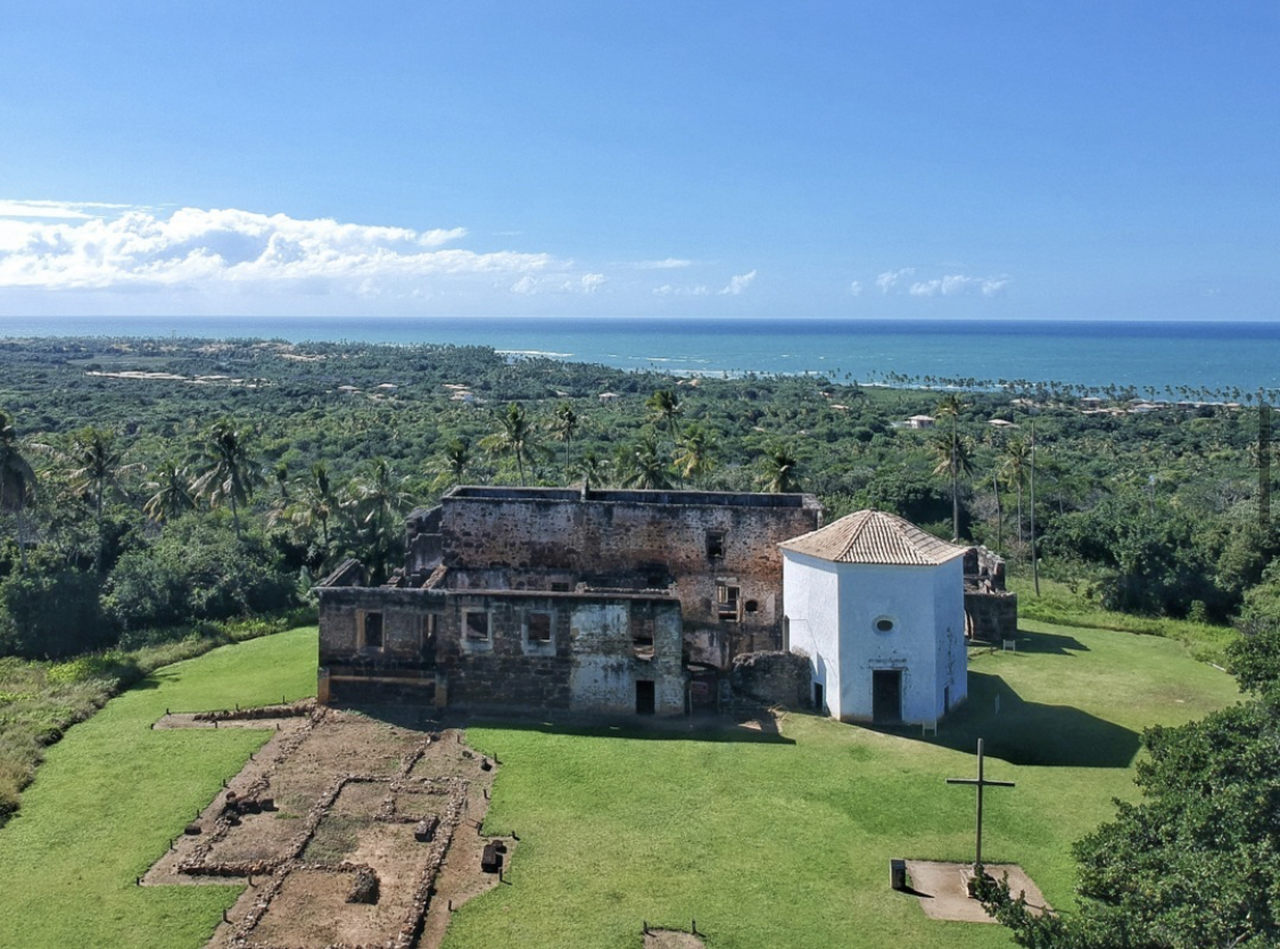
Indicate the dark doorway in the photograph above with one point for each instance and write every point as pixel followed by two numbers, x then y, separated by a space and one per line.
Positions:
pixel 886 695
pixel 645 702
pixel 817 698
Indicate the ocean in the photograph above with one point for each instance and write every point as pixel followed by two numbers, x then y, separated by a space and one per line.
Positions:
pixel 1148 356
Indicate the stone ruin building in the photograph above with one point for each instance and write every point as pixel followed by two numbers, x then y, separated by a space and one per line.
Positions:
pixel 548 598
pixel 592 601
pixel 991 611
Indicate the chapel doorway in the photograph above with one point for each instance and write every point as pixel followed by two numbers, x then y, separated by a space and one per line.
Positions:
pixel 886 696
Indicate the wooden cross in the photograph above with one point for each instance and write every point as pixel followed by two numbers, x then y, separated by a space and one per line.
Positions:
pixel 980 783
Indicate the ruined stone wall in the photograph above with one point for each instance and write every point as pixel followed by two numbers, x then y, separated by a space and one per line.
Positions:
pixel 701 541
pixel 775 678
pixel 990 617
pixel 403 627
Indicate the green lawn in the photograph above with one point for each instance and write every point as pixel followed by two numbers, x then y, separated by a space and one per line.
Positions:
pixel 783 841
pixel 109 796
pixel 774 844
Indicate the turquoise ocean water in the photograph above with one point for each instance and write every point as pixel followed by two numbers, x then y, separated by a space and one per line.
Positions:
pixel 1217 356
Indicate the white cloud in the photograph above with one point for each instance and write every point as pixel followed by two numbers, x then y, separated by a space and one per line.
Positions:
pixel 670 263
pixel 738 283
pixel 889 279
pixel 591 282
pixel 855 288
pixel 954 284
pixel 195 249
pixel 74 210
pixel 667 290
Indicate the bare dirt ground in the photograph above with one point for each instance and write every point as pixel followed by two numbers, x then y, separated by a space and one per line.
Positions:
pixel 339 802
pixel 671 939
pixel 941 888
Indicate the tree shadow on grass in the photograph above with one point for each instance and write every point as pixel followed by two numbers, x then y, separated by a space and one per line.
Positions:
pixel 758 728
pixel 1031 733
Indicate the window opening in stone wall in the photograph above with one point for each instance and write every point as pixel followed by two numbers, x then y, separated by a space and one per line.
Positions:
pixel 477 625
pixel 372 630
pixel 751 606
pixel 559 588
pixel 646 697
pixel 715 545
pixel 641 634
pixel 727 601
pixel 538 627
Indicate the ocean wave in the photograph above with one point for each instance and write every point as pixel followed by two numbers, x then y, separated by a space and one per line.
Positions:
pixel 533 352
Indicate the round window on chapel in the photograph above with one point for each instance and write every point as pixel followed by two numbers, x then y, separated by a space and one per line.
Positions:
pixel 884 625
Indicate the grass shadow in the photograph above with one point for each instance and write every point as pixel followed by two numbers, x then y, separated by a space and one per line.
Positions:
pixel 1044 644
pixel 1031 733
pixel 759 728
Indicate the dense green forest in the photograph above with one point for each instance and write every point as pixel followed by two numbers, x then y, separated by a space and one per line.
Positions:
pixel 148 483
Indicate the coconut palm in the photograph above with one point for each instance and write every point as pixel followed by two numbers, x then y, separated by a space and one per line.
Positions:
pixel 693 459
pixel 664 408
pixel 592 469
pixel 779 470
pixel 377 500
pixel 231 474
pixel 642 464
pixel 953 458
pixel 318 502
pixel 1017 463
pixel 516 436
pixel 99 466
pixel 171 495
pixel 17 479
pixel 455 463
pixel 564 425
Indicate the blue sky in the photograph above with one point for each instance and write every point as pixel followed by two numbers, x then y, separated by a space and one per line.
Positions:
pixel 891 160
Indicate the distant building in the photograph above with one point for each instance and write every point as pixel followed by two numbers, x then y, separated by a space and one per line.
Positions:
pixel 921 421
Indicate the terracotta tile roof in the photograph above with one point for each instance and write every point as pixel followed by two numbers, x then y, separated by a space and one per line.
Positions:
pixel 874 537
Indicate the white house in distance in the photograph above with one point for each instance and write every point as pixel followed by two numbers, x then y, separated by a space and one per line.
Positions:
pixel 877 605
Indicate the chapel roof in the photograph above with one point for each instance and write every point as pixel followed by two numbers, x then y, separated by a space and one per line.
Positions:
pixel 874 537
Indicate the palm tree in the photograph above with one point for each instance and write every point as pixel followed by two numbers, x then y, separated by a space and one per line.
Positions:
pixel 693 460
pixel 232 473
pixel 318 502
pixel 516 437
pixel 643 466
pixel 17 480
pixel 456 462
pixel 378 499
pixel 564 424
pixel 592 469
pixel 664 407
pixel 99 466
pixel 779 474
pixel 172 492
pixel 1017 462
pixel 953 458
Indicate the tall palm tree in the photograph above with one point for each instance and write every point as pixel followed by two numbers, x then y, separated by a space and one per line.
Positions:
pixel 171 495
pixel 99 465
pixel 516 436
pixel 779 470
pixel 456 463
pixel 1017 462
pixel 953 458
pixel 17 480
pixel 232 473
pixel 378 499
pixel 564 425
pixel 318 502
pixel 592 469
pixel 693 459
pixel 664 408
pixel 643 466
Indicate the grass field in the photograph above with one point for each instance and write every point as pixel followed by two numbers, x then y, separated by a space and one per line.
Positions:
pixel 782 840
pixel 109 796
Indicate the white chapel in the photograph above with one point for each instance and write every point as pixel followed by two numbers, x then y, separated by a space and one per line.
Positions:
pixel 877 604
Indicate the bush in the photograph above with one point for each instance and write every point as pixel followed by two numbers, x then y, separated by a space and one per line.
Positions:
pixel 51 613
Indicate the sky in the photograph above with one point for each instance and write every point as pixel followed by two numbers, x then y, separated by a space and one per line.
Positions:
pixel 894 160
